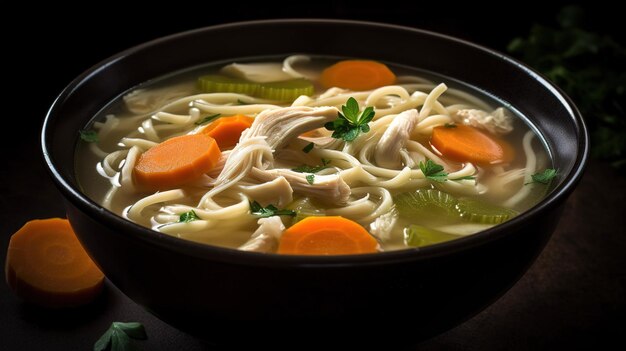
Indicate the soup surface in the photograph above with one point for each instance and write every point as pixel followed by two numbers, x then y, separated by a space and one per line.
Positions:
pixel 312 155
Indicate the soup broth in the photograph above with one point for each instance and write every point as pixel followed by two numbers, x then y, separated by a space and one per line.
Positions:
pixel 312 155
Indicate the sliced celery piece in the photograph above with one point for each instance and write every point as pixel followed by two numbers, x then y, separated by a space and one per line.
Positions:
pixel 287 90
pixel 426 202
pixel 214 83
pixel 418 236
pixel 480 212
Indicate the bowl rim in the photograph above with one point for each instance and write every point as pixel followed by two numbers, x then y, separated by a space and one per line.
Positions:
pixel 234 256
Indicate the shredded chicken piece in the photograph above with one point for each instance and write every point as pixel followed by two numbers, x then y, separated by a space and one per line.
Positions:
pixel 323 142
pixel 277 127
pixel 383 224
pixel 497 121
pixel 265 238
pixel 283 124
pixel 276 192
pixel 329 188
pixel 387 152
pixel 250 153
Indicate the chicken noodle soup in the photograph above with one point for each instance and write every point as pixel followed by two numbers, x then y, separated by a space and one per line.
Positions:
pixel 312 155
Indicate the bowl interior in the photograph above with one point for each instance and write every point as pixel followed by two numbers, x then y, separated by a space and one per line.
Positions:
pixel 551 112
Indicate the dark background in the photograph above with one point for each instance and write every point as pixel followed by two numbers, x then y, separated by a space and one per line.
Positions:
pixel 573 297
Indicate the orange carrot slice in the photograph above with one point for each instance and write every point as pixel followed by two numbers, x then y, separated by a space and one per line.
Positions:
pixel 227 130
pixel 467 144
pixel 176 161
pixel 332 235
pixel 357 75
pixel 46 265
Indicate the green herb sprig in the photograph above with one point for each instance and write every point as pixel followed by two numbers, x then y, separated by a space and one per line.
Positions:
pixel 310 178
pixel 208 119
pixel 89 136
pixel 269 211
pixel 308 148
pixel 544 177
pixel 119 337
pixel 351 123
pixel 435 172
pixel 312 169
pixel 188 217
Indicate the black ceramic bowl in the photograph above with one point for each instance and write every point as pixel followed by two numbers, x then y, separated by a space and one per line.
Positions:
pixel 191 285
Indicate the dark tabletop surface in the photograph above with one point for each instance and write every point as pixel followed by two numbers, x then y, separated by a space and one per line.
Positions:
pixel 573 297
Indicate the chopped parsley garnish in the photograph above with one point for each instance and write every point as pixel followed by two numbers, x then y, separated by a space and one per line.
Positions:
pixel 350 123
pixel 312 169
pixel 118 337
pixel 269 211
pixel 310 178
pixel 433 171
pixel 90 136
pixel 543 177
pixel 207 119
pixel 188 217
pixel 450 125
pixel 308 148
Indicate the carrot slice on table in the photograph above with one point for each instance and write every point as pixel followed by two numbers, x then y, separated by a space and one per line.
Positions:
pixel 176 161
pixel 227 130
pixel 332 235
pixel 46 265
pixel 467 144
pixel 357 75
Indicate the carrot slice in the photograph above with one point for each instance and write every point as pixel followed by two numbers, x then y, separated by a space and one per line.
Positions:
pixel 46 265
pixel 227 130
pixel 467 144
pixel 176 161
pixel 332 235
pixel 357 75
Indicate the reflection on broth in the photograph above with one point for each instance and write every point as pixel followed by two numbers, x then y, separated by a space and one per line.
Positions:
pixel 311 155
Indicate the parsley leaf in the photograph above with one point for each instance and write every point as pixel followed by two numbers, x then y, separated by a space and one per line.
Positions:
pixel 543 177
pixel 350 123
pixel 119 335
pixel 308 148
pixel 90 136
pixel 312 169
pixel 450 125
pixel 208 119
pixel 310 178
pixel 188 217
pixel 433 171
pixel 269 211
pixel 351 110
